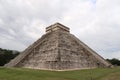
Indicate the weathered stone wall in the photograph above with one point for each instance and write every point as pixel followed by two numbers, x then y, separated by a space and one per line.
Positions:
pixel 60 51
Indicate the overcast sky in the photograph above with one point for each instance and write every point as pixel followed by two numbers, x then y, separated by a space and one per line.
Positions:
pixel 95 22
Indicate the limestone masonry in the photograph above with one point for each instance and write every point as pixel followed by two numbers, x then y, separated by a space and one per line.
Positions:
pixel 58 50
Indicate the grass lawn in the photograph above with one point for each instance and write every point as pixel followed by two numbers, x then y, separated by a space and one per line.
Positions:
pixel 29 74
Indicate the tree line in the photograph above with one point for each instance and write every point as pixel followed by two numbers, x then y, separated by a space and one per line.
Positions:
pixel 7 55
pixel 114 61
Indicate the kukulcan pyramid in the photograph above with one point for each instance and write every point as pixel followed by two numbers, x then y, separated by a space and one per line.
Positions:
pixel 58 50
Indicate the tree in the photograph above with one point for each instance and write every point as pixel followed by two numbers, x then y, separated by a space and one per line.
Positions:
pixel 6 56
pixel 114 61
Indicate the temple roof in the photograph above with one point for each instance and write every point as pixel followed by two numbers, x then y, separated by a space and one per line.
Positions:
pixel 57 26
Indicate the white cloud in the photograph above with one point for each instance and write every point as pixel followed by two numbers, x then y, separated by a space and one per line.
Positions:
pixel 103 34
pixel 95 22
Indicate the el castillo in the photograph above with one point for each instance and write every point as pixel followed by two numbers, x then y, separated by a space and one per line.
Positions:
pixel 58 50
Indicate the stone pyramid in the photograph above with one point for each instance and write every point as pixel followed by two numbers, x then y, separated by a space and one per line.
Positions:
pixel 58 50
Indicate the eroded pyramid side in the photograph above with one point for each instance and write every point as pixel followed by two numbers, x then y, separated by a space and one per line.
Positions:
pixel 58 50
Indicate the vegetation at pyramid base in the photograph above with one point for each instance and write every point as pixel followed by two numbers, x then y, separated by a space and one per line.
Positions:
pixel 30 74
pixel 114 61
pixel 7 55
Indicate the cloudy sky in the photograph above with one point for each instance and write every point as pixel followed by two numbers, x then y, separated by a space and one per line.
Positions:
pixel 95 22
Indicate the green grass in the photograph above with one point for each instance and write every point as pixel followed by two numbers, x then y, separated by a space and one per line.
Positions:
pixel 29 74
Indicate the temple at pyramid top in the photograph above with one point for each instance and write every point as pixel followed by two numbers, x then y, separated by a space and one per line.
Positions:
pixel 57 26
